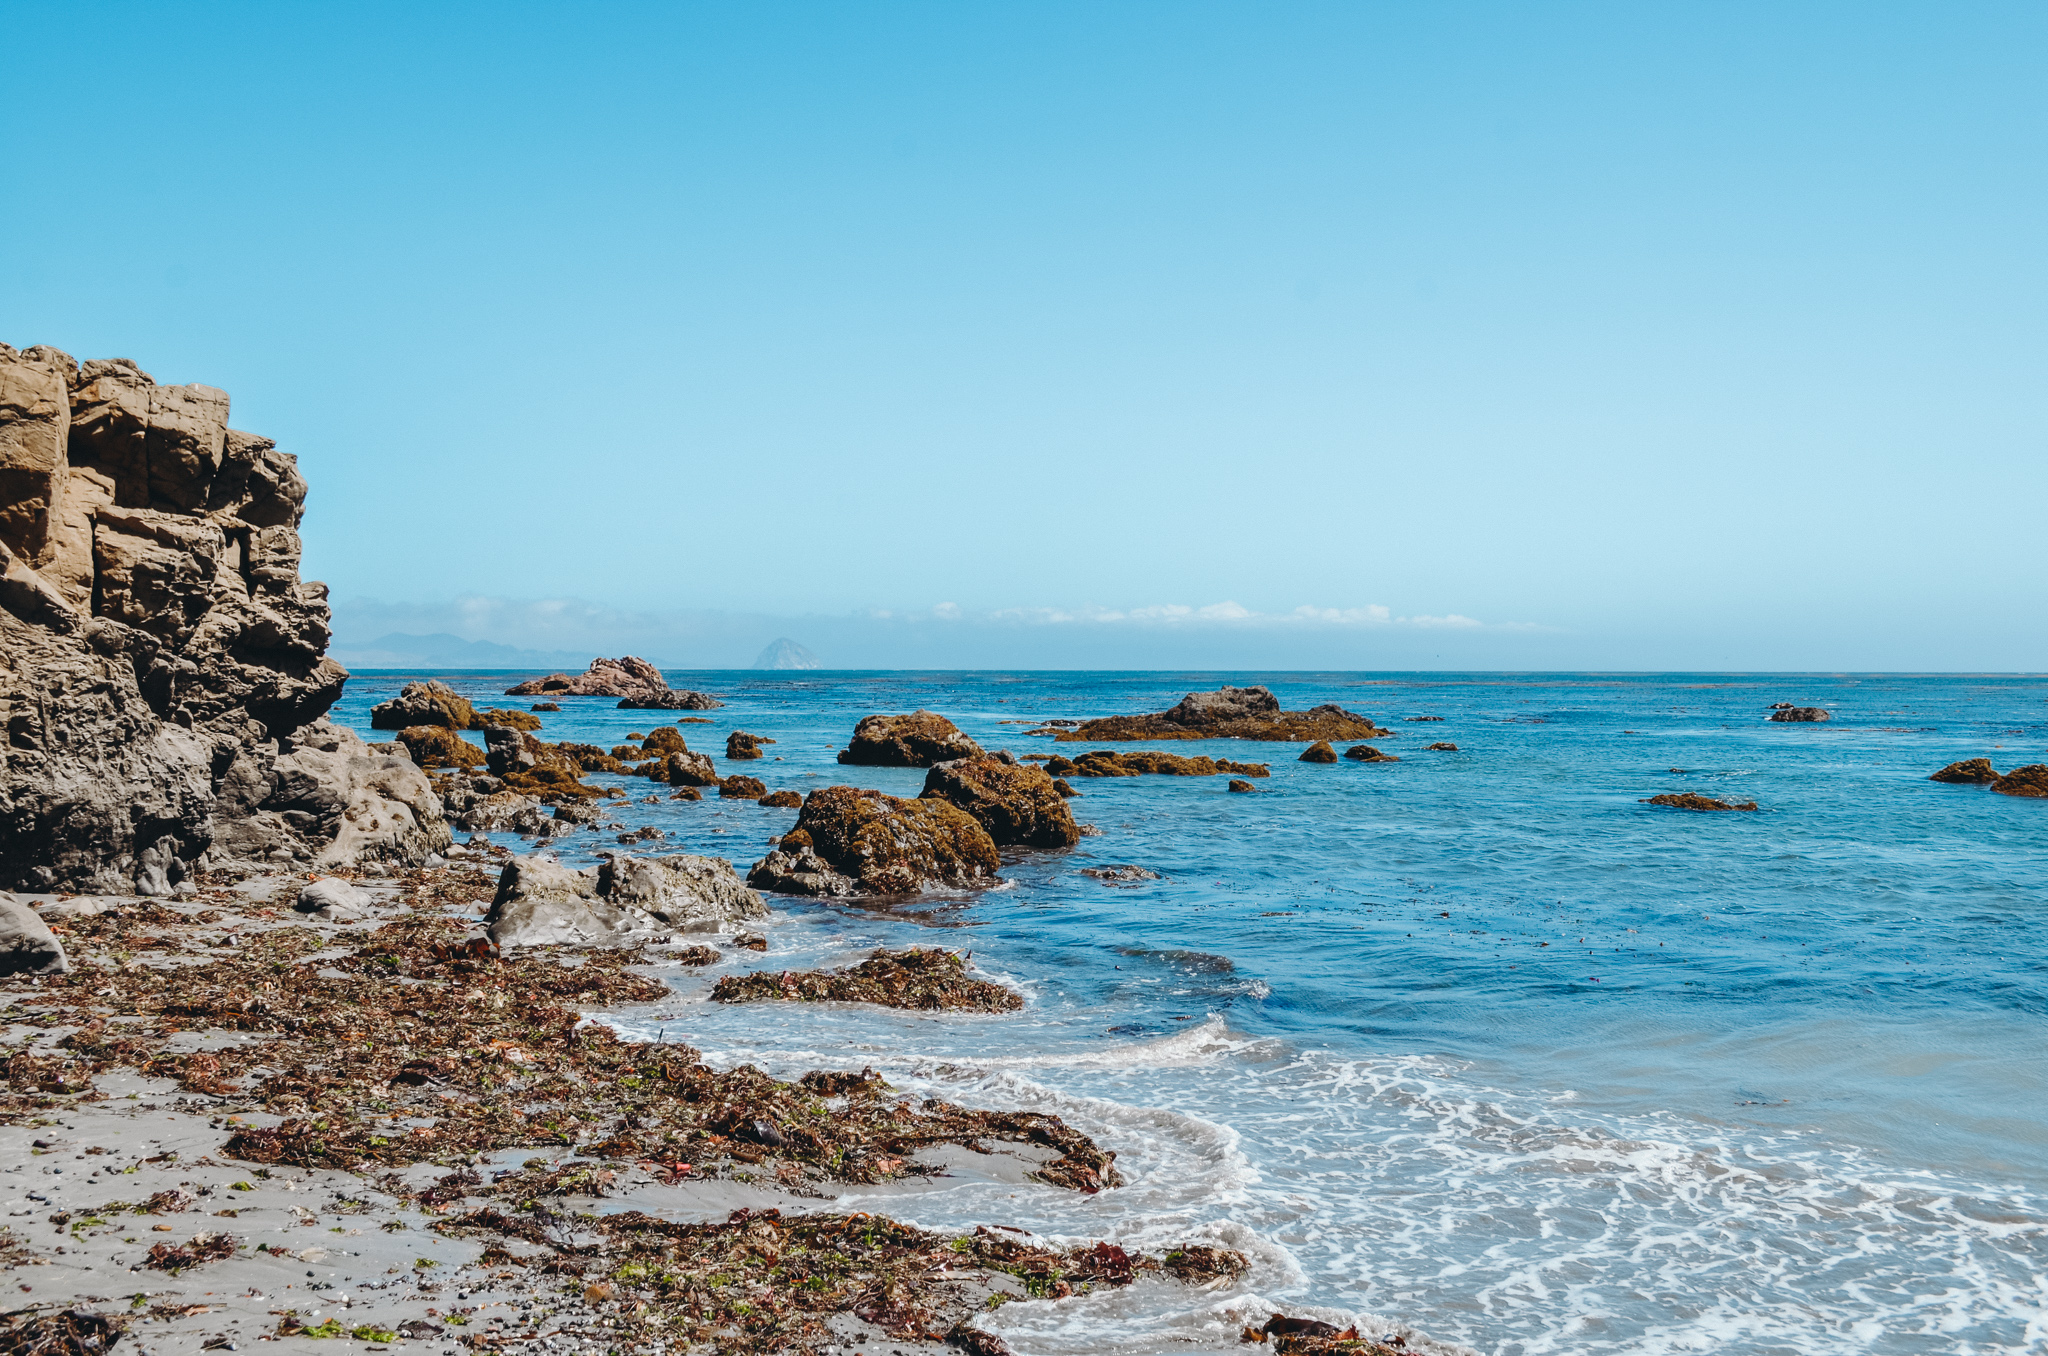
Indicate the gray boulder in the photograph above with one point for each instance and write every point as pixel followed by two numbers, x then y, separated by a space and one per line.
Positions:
pixel 27 946
pixel 687 892
pixel 333 899
pixel 1225 703
pixel 627 901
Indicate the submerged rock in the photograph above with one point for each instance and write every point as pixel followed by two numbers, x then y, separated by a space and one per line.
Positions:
pixel 1366 753
pixel 919 739
pixel 849 840
pixel 1231 713
pixel 2031 780
pixel 1969 772
pixel 1688 800
pixel 1785 712
pixel 924 980
pixel 1319 752
pixel 1019 805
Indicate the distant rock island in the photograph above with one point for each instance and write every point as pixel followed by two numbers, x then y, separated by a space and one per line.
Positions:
pixel 785 653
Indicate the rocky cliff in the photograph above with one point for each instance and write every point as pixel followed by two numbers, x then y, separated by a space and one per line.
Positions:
pixel 163 669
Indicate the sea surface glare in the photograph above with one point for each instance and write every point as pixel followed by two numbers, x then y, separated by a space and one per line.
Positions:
pixel 1477 1040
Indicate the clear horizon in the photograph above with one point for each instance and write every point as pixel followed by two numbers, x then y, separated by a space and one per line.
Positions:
pixel 1593 338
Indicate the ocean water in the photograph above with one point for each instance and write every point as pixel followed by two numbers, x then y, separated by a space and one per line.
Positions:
pixel 1474 1041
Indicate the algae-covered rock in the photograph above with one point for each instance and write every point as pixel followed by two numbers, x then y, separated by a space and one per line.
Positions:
pixel 426 703
pixel 1149 762
pixel 687 769
pixel 925 980
pixel 919 739
pixel 1688 800
pixel 1319 752
pixel 662 741
pixel 2031 780
pixel 1366 753
pixel 439 746
pixel 741 745
pixel 781 800
pixel 849 840
pixel 1969 772
pixel 741 788
pixel 1017 803
pixel 1241 787
pixel 1231 713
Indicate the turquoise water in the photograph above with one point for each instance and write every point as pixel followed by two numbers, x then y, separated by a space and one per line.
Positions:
pixel 1476 1040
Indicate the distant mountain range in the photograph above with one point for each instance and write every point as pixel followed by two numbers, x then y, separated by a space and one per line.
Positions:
pixel 785 653
pixel 398 650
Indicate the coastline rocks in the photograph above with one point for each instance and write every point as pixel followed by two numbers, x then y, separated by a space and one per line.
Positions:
pixel 1969 772
pixel 1231 713
pixel 781 800
pixel 333 899
pixel 439 746
pixel 741 788
pixel 1689 800
pixel 626 901
pixel 1366 753
pixel 1147 762
pixel 741 745
pixel 543 770
pixel 1786 713
pixel 2031 780
pixel 160 650
pixel 27 946
pixel 1017 803
pixel 849 840
pixel 687 769
pixel 1319 752
pixel 325 798
pixel 920 739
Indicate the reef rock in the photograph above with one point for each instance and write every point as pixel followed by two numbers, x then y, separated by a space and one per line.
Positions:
pixel 919 739
pixel 2031 780
pixel 1969 772
pixel 849 841
pixel 687 769
pixel 1785 712
pixel 1319 752
pixel 1017 803
pixel 1231 713
pixel 625 901
pixel 673 700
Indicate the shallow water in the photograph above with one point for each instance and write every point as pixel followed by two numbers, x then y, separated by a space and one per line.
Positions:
pixel 1477 1040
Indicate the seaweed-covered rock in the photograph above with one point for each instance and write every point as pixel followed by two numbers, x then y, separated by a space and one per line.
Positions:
pixel 1231 713
pixel 543 770
pixel 661 741
pixel 1441 746
pixel 931 980
pixel 741 745
pixel 1366 753
pixel 425 703
pixel 1786 713
pixel 741 788
pixel 1017 803
pixel 2031 780
pixel 1688 800
pixel 919 739
pixel 1319 752
pixel 27 946
pixel 439 746
pixel 1148 762
pixel 1241 786
pixel 849 840
pixel 625 901
pixel 688 769
pixel 675 699
pixel 1969 772
pixel 781 800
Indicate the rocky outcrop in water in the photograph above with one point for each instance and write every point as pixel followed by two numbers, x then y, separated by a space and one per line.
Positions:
pixel 1786 713
pixel 1017 803
pixel 1969 772
pixel 1232 713
pixel 1690 800
pixel 852 841
pixel 436 703
pixel 2031 780
pixel 637 683
pixel 1148 763
pixel 1366 753
pixel 1318 752
pixel 163 669
pixel 919 739
pixel 739 745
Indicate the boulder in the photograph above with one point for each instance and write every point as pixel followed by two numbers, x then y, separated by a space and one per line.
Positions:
pixel 1065 788
pixel 2031 780
pixel 1241 786
pixel 626 901
pixel 919 739
pixel 549 771
pixel 1231 713
pixel 333 899
pixel 665 739
pixel 27 946
pixel 741 788
pixel 1444 746
pixel 849 840
pixel 1785 712
pixel 1969 772
pixel 688 769
pixel 166 668
pixel 741 745
pixel 1017 803
pixel 1366 753
pixel 504 715
pixel 1319 752
pixel 546 706
pixel 439 746
pixel 781 800
pixel 426 703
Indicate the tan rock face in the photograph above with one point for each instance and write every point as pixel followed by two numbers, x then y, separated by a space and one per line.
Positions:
pixel 163 669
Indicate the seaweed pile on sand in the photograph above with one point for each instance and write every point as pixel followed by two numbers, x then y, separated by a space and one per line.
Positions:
pixel 930 980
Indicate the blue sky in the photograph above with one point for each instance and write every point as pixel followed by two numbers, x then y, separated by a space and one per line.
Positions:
pixel 1624 336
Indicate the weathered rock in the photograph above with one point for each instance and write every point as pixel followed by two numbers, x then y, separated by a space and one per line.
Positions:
pixel 665 739
pixel 504 715
pixel 1441 745
pixel 1319 752
pixel 1366 753
pixel 549 771
pixel 688 769
pixel 919 739
pixel 849 840
pixel 161 664
pixel 333 899
pixel 2031 780
pixel 1148 762
pixel 546 706
pixel 1970 772
pixel 1241 786
pixel 27 946
pixel 672 700
pixel 485 805
pixel 627 677
pixel 1065 789
pixel 1785 712
pixel 1231 713
pixel 425 703
pixel 927 980
pixel 741 745
pixel 781 800
pixel 439 746
pixel 1689 800
pixel 626 901
pixel 742 788
pixel 1016 802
